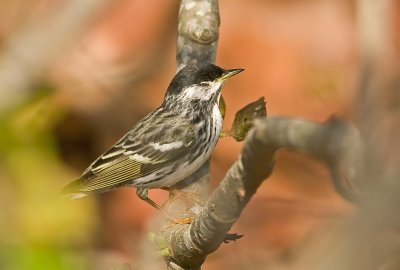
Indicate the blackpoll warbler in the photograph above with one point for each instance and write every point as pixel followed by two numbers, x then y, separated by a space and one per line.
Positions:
pixel 168 144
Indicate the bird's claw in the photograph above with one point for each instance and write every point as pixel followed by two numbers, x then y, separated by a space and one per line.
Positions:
pixel 183 220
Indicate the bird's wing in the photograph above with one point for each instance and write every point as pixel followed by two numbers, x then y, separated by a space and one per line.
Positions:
pixel 136 156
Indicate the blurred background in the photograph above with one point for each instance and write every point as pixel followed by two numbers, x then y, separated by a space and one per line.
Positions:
pixel 76 75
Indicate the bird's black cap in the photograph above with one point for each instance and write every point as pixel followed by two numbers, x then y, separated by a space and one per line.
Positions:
pixel 197 73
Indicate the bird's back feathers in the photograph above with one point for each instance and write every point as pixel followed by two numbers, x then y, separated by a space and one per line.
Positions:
pixel 132 159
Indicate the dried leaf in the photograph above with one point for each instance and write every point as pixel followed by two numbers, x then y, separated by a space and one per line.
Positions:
pixel 244 119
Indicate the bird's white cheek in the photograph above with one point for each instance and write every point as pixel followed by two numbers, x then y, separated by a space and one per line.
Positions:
pixel 202 93
pixel 193 92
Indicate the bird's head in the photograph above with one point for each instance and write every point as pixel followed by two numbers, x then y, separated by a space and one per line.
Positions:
pixel 199 83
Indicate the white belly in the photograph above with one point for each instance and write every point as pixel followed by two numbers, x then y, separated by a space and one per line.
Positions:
pixel 187 169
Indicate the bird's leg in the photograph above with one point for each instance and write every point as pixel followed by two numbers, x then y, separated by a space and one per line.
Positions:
pixel 143 193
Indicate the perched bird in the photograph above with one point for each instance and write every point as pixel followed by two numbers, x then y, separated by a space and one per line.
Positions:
pixel 168 144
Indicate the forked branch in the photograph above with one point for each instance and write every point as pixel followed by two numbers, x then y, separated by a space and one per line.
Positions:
pixel 335 142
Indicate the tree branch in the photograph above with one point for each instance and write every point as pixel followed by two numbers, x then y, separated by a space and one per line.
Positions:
pixel 198 32
pixel 335 142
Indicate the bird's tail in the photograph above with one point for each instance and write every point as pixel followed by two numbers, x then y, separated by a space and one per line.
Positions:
pixel 72 190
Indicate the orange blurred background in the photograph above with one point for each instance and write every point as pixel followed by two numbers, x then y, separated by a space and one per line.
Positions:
pixel 302 56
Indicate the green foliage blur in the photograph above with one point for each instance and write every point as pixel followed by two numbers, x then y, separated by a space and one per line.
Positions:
pixel 38 228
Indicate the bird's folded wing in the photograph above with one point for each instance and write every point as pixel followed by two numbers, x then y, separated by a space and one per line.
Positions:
pixel 134 158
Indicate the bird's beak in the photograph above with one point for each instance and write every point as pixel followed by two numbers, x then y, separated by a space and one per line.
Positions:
pixel 229 73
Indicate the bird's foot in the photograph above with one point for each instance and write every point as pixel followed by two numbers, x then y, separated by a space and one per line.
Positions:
pixel 186 196
pixel 179 221
pixel 183 220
